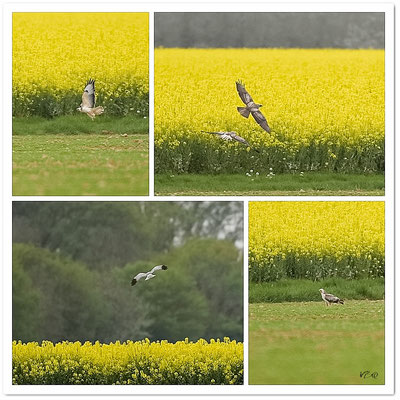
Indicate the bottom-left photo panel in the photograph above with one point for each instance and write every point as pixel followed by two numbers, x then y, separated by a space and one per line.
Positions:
pixel 140 293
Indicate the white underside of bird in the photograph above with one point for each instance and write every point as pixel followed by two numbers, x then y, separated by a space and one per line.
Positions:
pixel 85 109
pixel 226 137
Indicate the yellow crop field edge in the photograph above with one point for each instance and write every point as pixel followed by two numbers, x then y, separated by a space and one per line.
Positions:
pixel 54 54
pixel 129 363
pixel 325 107
pixel 316 240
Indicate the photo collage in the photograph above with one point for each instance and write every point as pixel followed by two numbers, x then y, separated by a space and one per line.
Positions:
pixel 199 201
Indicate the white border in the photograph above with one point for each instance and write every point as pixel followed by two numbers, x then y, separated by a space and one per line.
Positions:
pixel 388 8
pixel 151 104
pixel 246 292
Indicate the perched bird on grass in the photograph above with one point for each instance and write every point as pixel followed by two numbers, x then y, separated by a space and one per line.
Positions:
pixel 251 107
pixel 148 275
pixel 229 136
pixel 89 101
pixel 330 298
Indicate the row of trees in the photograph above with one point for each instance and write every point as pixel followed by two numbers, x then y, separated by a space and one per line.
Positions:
pixel 73 263
pixel 111 234
pixel 270 29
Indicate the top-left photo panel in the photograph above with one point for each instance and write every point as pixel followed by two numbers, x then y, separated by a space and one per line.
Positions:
pixel 80 104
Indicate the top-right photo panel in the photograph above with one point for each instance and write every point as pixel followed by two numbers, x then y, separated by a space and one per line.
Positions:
pixel 269 104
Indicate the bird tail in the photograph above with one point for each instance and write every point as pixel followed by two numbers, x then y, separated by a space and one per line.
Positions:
pixel 243 111
pixel 341 301
pixel 98 110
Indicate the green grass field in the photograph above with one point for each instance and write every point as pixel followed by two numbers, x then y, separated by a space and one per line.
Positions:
pixel 79 123
pixel 72 155
pixel 310 343
pixel 295 290
pixel 56 165
pixel 307 184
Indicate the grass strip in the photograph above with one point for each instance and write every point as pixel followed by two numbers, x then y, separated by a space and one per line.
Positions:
pixel 80 123
pixel 293 290
pixel 306 184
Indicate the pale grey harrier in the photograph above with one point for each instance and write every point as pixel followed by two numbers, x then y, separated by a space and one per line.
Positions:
pixel 229 136
pixel 148 275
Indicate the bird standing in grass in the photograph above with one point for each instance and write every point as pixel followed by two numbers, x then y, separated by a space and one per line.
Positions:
pixel 251 107
pixel 147 275
pixel 89 101
pixel 330 298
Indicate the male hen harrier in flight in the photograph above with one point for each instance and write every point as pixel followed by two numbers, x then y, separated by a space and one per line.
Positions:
pixel 89 100
pixel 251 107
pixel 330 298
pixel 232 136
pixel 147 275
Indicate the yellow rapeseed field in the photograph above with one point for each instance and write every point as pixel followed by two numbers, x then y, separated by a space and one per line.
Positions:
pixel 143 362
pixel 325 108
pixel 316 239
pixel 55 53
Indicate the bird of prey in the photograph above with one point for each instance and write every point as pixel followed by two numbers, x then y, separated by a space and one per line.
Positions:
pixel 229 136
pixel 89 101
pixel 251 107
pixel 330 298
pixel 147 275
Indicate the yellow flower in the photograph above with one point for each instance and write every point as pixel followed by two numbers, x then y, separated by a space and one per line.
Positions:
pixel 316 239
pixel 323 106
pixel 142 362
pixel 55 53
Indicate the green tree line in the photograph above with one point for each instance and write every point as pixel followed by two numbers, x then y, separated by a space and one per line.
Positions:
pixel 73 263
pixel 270 29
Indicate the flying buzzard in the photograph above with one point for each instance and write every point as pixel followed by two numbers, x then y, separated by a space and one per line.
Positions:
pixel 330 298
pixel 231 136
pixel 147 275
pixel 251 107
pixel 89 100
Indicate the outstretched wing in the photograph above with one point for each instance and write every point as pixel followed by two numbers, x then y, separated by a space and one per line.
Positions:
pixel 139 276
pixel 243 93
pixel 158 267
pixel 214 133
pixel 88 96
pixel 222 135
pixel 261 120
pixel 239 138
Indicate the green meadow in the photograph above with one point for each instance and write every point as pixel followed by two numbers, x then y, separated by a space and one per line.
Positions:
pixel 308 343
pixel 284 184
pixel 72 155
pixel 287 290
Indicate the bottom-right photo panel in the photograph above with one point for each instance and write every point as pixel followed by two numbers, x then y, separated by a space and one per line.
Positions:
pixel 316 293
